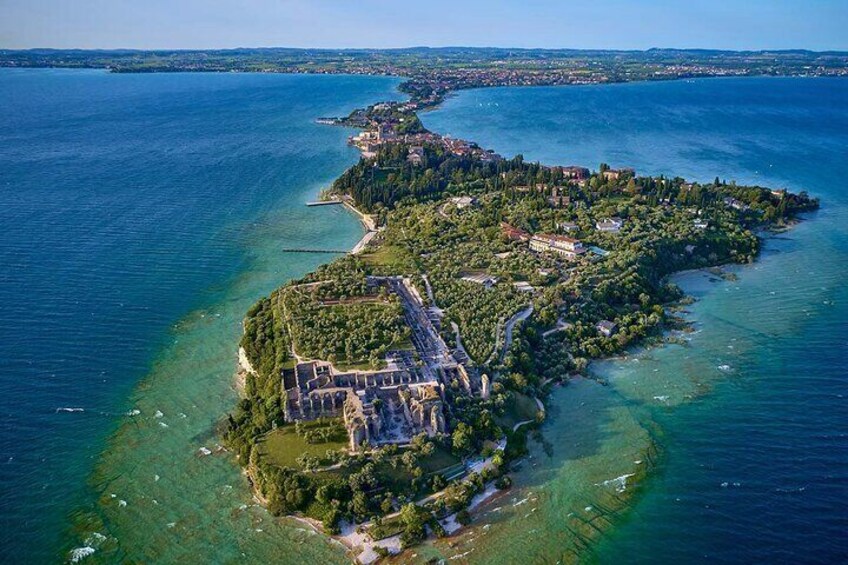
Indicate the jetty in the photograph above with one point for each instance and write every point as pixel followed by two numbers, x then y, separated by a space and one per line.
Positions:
pixel 307 250
pixel 324 202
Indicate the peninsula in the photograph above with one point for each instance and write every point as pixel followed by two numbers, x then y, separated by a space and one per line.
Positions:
pixel 432 73
pixel 394 386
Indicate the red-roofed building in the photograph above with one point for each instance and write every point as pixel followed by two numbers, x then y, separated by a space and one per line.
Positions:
pixel 514 233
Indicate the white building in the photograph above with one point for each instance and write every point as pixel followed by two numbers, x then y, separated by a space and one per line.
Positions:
pixel 609 225
pixel 523 286
pixel 462 202
pixel 568 247
pixel 606 328
pixel 488 281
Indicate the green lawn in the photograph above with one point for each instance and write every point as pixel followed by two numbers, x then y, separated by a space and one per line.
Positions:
pixel 440 460
pixel 404 345
pixel 519 408
pixel 283 446
pixel 389 256
pixel 364 365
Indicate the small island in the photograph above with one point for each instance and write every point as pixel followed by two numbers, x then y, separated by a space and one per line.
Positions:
pixel 388 392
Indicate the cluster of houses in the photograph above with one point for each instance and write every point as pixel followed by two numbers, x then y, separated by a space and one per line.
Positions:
pixel 378 133
pixel 370 140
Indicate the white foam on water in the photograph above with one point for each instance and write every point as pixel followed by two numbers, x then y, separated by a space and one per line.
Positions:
pixel 95 539
pixel 725 368
pixel 134 412
pixel 620 483
pixel 791 490
pixel 63 409
pixel 80 553
pixel 663 398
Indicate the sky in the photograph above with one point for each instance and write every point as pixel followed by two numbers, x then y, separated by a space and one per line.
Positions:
pixel 587 24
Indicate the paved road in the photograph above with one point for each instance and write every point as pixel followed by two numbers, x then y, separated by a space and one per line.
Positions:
pixel 518 317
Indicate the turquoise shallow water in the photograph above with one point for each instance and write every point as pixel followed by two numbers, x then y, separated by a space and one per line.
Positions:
pixel 142 215
pixel 749 420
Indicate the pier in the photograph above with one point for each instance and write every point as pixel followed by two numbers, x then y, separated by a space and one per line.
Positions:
pixel 323 202
pixel 307 250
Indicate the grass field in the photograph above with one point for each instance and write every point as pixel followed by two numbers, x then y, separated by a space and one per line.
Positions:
pixel 519 408
pixel 283 446
pixel 391 256
pixel 439 460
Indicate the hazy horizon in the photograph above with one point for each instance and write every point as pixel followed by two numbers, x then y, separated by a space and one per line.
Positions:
pixel 434 47
pixel 378 24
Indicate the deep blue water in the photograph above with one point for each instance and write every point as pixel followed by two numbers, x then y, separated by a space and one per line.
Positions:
pixel 751 416
pixel 128 202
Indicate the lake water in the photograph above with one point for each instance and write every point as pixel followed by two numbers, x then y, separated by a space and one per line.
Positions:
pixel 143 214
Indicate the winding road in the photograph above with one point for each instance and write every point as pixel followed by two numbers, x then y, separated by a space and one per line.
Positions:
pixel 517 317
